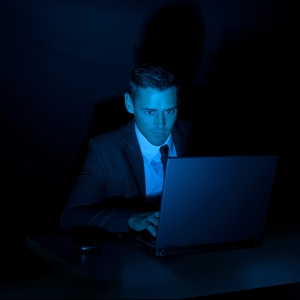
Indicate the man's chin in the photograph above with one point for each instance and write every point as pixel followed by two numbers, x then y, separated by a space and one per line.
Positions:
pixel 158 141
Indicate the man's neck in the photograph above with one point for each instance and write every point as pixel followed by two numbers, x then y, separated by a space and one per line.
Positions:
pixel 149 150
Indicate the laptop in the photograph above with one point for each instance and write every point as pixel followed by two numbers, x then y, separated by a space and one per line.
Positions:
pixel 212 203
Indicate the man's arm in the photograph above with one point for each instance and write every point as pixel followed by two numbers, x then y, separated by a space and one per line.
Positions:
pixel 87 205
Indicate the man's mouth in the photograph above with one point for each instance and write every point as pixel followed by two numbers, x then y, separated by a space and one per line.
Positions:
pixel 157 133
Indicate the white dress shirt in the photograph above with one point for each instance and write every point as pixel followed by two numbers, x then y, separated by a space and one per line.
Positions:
pixel 152 163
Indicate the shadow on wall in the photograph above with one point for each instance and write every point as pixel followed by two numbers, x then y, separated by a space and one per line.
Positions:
pixel 174 37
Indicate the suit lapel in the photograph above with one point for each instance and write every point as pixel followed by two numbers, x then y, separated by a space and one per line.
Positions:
pixel 134 155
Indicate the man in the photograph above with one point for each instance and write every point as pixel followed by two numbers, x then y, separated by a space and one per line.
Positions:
pixel 120 186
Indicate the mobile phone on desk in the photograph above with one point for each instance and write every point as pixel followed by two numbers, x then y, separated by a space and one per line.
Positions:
pixel 85 245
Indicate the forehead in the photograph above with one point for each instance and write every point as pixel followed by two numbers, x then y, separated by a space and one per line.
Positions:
pixel 153 98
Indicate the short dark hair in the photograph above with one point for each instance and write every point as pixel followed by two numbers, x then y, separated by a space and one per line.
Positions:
pixel 154 76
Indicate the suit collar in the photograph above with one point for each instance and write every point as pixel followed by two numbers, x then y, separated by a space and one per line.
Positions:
pixel 129 137
pixel 180 142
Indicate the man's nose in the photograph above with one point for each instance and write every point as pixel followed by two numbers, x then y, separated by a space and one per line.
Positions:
pixel 160 120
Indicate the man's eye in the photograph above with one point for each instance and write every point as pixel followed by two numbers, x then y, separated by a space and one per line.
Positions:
pixel 149 112
pixel 169 111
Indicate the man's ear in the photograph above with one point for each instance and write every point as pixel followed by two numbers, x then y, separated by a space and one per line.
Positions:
pixel 128 103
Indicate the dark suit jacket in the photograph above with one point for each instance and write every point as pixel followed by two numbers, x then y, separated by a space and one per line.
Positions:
pixel 111 187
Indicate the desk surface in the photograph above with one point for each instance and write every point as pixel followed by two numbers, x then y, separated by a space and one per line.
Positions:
pixel 123 270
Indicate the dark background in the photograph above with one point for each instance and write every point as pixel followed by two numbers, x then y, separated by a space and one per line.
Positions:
pixel 65 67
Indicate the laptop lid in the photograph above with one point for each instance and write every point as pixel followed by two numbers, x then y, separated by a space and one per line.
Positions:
pixel 209 201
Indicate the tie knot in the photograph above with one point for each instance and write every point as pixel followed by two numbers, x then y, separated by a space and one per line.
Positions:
pixel 164 153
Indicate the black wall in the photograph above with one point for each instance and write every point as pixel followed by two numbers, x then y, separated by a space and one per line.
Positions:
pixel 65 67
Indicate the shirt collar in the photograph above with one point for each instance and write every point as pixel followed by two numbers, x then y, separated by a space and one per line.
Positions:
pixel 149 151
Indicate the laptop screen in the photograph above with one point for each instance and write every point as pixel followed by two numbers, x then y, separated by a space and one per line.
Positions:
pixel 213 200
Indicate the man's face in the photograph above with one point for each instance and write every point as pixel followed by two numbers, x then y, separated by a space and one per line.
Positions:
pixel 155 112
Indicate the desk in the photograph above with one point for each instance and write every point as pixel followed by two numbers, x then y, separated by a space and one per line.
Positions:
pixel 123 270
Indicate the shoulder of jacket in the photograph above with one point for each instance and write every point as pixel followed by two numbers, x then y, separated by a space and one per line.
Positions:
pixel 186 128
pixel 107 141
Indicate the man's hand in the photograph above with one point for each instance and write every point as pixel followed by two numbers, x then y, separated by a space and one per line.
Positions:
pixel 143 221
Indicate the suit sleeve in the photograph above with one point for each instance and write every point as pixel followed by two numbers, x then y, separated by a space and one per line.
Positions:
pixel 87 206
